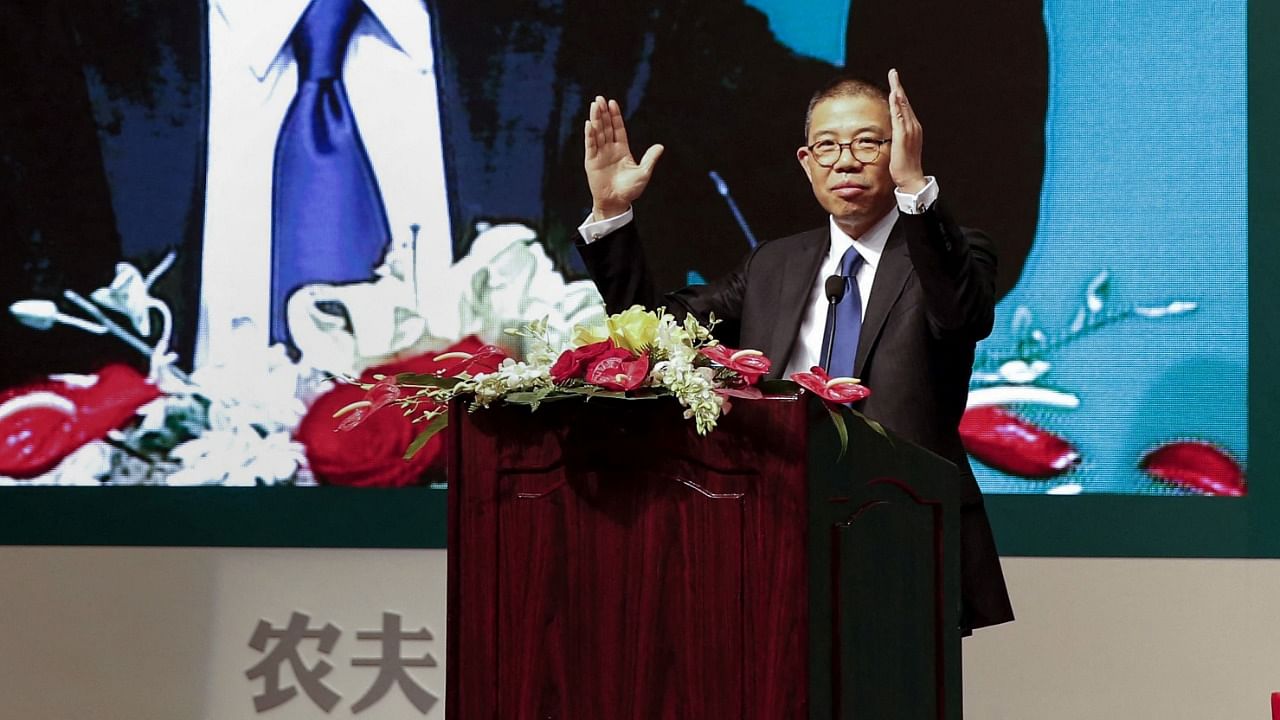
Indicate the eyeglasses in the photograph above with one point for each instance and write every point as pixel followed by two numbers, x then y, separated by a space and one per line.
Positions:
pixel 865 150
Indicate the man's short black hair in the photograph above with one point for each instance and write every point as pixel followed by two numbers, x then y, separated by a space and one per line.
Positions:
pixel 843 86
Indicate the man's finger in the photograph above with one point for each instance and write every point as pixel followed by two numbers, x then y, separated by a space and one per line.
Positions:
pixel 617 131
pixel 898 105
pixel 650 159
pixel 589 146
pixel 597 125
pixel 896 119
pixel 619 126
pixel 600 120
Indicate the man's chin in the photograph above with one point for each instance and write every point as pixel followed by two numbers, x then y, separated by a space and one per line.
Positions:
pixel 862 209
pixel 850 213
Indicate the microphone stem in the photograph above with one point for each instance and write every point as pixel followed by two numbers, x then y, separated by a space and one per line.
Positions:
pixel 830 339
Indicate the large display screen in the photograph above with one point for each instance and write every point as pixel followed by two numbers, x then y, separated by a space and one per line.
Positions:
pixel 150 177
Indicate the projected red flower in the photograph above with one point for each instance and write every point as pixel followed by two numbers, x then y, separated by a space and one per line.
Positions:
pixel 42 423
pixel 1013 445
pixel 369 453
pixel 1198 466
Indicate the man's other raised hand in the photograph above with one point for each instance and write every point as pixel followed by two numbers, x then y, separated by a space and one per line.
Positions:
pixel 905 164
pixel 615 178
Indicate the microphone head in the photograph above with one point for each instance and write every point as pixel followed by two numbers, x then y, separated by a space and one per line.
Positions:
pixel 834 288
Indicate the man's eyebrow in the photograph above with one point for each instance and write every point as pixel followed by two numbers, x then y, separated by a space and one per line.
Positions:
pixel 874 129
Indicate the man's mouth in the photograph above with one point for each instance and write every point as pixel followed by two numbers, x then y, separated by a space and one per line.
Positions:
pixel 848 190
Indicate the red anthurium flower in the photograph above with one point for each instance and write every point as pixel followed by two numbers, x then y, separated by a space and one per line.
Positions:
pixel 1013 445
pixel 572 363
pixel 42 423
pixel 1196 465
pixel 467 355
pixel 618 369
pixel 750 364
pixel 383 393
pixel 838 390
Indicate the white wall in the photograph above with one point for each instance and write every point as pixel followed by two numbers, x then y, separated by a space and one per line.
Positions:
pixel 162 634
pixel 1127 639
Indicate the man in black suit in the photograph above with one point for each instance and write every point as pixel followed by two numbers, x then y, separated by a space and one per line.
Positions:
pixel 928 284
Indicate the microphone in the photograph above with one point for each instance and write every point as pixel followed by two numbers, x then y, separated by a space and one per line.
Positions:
pixel 834 287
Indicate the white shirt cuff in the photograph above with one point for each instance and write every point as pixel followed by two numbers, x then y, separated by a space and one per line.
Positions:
pixel 593 231
pixel 917 203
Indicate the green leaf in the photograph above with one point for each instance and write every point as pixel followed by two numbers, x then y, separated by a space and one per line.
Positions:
pixel 591 391
pixel 426 380
pixel 437 424
pixel 532 398
pixel 525 398
pixel 838 420
pixel 877 427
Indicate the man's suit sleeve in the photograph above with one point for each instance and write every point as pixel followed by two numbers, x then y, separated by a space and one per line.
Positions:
pixel 617 265
pixel 957 269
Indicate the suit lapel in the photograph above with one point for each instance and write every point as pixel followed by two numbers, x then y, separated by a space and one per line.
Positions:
pixel 157 100
pixel 891 278
pixel 798 274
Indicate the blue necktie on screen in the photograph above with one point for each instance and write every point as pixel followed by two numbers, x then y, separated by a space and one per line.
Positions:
pixel 847 319
pixel 327 221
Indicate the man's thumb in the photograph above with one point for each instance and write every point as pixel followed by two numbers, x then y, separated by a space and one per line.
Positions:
pixel 650 158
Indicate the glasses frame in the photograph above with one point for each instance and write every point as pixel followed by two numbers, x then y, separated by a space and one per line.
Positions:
pixel 853 153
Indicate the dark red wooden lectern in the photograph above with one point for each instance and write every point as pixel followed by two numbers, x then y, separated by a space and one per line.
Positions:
pixel 606 563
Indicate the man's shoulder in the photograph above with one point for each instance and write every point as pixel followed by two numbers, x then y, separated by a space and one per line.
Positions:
pixel 777 247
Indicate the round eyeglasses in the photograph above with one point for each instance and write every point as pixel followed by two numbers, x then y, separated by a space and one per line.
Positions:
pixel 865 150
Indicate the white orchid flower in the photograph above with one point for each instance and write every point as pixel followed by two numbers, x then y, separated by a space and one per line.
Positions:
pixel 129 295
pixel 44 314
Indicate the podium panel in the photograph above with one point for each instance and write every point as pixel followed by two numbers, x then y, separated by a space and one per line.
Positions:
pixel 606 562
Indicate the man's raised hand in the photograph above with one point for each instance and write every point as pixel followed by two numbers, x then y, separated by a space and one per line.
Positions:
pixel 905 165
pixel 614 176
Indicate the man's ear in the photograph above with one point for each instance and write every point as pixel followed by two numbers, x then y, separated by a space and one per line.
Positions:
pixel 802 154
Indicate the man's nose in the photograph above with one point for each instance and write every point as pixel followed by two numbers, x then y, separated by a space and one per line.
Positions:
pixel 845 161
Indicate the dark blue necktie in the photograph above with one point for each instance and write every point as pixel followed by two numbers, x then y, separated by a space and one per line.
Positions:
pixel 327 221
pixel 847 319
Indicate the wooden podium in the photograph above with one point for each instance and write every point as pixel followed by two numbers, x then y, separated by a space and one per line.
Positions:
pixel 606 563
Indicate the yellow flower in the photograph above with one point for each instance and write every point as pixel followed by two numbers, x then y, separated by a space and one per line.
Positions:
pixel 633 329
pixel 587 335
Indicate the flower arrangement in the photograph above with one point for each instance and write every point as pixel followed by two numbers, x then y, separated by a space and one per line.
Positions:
pixel 638 353
pixel 249 414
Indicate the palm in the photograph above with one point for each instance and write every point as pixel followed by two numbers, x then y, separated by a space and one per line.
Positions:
pixel 615 178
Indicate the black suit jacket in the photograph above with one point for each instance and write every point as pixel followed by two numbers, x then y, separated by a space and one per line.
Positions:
pixel 932 300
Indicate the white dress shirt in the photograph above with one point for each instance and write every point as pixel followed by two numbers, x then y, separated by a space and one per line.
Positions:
pixel 808 347
pixel 389 73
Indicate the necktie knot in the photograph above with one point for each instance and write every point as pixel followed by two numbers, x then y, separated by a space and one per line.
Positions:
pixel 850 261
pixel 321 37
